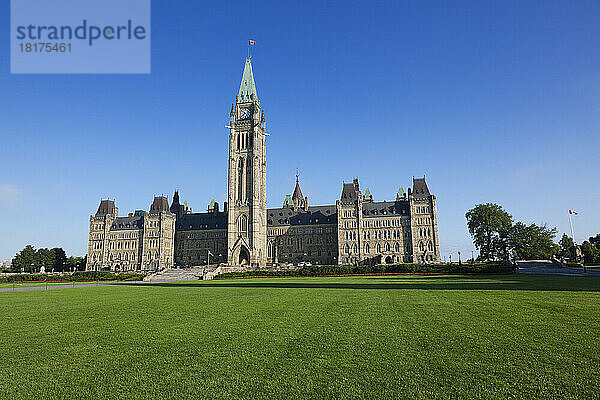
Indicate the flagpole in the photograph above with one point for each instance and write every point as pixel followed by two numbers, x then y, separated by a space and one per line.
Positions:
pixel 574 244
pixel 571 225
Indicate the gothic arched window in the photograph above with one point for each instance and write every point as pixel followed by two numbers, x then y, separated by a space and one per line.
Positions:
pixel 241 180
pixel 243 223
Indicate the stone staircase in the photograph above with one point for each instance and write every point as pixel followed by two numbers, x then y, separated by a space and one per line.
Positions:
pixel 192 274
pixel 176 275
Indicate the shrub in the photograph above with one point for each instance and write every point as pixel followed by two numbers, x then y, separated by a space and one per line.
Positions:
pixel 80 276
pixel 323 270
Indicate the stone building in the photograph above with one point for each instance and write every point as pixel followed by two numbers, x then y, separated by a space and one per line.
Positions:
pixel 140 241
pixel 354 230
pixel 247 186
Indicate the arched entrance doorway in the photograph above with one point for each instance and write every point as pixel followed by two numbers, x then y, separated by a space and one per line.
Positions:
pixel 244 256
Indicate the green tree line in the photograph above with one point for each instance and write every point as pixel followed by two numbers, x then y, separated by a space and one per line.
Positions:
pixel 31 260
pixel 498 237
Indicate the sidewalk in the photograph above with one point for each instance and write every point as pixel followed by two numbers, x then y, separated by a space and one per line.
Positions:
pixel 50 286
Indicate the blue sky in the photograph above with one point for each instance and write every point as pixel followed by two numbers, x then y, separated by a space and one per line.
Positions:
pixel 492 101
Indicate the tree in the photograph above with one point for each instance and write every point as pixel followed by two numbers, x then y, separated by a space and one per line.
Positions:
pixel 490 227
pixel 531 242
pixel 591 251
pixel 43 258
pixel 75 263
pixel 24 259
pixel 567 248
pixel 595 240
pixel 59 259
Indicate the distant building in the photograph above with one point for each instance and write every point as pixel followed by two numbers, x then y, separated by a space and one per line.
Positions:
pixel 140 241
pixel 354 230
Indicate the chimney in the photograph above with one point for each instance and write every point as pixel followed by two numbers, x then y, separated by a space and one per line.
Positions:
pixel 305 203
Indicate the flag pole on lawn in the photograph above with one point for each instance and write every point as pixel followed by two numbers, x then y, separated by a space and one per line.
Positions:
pixel 571 212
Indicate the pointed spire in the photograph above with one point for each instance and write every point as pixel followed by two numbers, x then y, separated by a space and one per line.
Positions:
pixel 298 193
pixel 297 197
pixel 400 193
pixel 247 87
pixel 368 196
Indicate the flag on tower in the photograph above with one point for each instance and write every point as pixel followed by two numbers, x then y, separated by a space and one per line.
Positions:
pixel 251 42
pixel 571 212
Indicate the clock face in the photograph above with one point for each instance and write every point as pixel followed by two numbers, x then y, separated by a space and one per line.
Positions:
pixel 245 113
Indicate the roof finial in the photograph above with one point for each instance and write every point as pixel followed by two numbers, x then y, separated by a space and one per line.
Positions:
pixel 297 174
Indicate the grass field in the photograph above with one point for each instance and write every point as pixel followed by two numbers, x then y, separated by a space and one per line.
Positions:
pixel 23 284
pixel 517 336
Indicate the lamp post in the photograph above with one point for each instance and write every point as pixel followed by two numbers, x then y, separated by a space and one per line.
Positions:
pixel 459 263
pixel 472 258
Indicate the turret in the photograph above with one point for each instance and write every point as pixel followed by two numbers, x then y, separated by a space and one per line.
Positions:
pixel 160 204
pixel 401 195
pixel 299 201
pixel 107 207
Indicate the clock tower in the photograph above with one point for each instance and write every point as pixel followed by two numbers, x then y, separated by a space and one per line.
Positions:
pixel 247 193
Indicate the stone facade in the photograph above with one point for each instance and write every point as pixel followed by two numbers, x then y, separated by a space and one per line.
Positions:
pixel 247 191
pixel 354 230
pixel 142 241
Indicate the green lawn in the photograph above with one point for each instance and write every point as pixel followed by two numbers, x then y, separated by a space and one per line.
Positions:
pixel 21 284
pixel 518 336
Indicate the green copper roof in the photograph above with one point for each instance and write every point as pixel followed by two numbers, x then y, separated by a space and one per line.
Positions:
pixel 368 194
pixel 401 192
pixel 247 87
pixel 287 202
